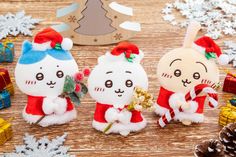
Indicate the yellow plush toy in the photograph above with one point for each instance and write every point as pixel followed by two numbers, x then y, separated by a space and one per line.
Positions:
pixel 181 70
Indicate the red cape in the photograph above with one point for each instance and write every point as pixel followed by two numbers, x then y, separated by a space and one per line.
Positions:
pixel 101 109
pixel 164 95
pixel 34 105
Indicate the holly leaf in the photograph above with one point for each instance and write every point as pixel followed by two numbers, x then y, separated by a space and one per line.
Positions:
pixel 210 55
pixel 69 85
pixel 75 99
pixel 84 88
pixel 132 56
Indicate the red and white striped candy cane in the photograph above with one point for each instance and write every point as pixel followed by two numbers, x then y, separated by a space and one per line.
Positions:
pixel 191 95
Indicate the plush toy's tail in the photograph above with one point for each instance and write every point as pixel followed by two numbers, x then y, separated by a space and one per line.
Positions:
pixel 191 34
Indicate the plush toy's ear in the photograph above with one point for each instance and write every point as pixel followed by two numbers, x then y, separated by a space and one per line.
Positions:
pixel 26 47
pixel 192 31
pixel 101 59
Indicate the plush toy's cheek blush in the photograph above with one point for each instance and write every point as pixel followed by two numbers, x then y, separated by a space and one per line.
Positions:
pixel 29 82
pixel 166 75
pixel 99 89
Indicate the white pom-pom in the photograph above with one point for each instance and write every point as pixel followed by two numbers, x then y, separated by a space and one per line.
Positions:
pixel 66 44
pixel 223 59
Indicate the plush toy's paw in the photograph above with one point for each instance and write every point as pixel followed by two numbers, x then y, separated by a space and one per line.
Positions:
pixel 185 106
pixel 124 133
pixel 111 115
pixel 176 100
pixel 191 107
pixel 186 122
pixel 125 117
pixel 61 105
pixel 48 106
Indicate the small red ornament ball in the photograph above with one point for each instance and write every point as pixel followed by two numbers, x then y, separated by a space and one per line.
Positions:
pixel 77 88
pixel 86 72
pixel 79 76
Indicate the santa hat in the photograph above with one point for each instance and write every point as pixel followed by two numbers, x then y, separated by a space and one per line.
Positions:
pixel 211 50
pixel 49 38
pixel 204 45
pixel 124 51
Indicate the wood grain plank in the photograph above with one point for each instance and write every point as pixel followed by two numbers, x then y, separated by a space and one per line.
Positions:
pixel 156 38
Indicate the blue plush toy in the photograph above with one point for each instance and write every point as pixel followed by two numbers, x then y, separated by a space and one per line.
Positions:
pixel 40 73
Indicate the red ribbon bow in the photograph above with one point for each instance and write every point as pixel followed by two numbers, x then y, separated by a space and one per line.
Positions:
pixel 125 47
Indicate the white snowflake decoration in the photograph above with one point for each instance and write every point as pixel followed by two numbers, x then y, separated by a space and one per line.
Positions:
pixel 11 24
pixel 41 148
pixel 231 51
pixel 216 16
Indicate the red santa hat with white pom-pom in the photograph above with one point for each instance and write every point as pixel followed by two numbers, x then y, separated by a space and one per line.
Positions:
pixel 204 45
pixel 49 39
pixel 123 52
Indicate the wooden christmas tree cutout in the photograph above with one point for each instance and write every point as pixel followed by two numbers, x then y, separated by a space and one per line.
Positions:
pixel 97 22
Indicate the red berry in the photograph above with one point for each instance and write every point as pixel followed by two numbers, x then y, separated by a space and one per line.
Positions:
pixel 79 76
pixel 77 88
pixel 86 72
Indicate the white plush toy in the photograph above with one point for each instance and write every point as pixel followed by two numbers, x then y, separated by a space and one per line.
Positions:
pixel 111 83
pixel 40 73
pixel 182 69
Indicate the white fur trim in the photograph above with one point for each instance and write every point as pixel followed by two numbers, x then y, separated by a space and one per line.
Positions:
pixel 160 110
pixel 121 9
pixel 223 59
pixel 198 48
pixel 41 47
pixel 120 128
pixel 194 117
pixel 111 115
pixel 175 98
pixel 193 107
pixel 132 26
pixel 66 44
pixel 50 119
pixel 108 57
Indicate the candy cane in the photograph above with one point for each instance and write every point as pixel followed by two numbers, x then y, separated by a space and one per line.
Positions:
pixel 191 95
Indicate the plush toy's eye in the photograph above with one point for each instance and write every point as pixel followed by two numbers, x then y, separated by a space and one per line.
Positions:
pixel 60 74
pixel 108 83
pixel 39 76
pixel 196 76
pixel 177 73
pixel 129 83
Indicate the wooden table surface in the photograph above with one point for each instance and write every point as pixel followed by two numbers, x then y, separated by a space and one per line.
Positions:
pixel 156 38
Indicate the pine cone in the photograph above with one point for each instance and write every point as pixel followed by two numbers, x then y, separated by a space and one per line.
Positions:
pixel 228 138
pixel 210 148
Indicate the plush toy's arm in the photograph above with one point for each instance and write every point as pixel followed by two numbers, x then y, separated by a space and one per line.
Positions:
pixel 125 116
pixel 48 106
pixel 111 115
pixel 54 105
pixel 190 107
pixel 61 105
pixel 176 100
